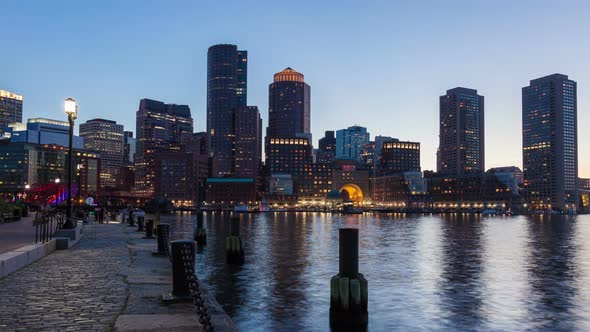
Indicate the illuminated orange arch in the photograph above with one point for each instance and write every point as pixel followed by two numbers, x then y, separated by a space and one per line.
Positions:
pixel 355 193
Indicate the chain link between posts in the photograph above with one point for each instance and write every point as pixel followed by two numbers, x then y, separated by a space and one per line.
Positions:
pixel 188 263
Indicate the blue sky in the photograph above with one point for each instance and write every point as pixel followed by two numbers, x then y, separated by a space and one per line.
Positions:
pixel 379 64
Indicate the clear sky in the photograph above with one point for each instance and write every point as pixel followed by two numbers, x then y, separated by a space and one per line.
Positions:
pixel 378 64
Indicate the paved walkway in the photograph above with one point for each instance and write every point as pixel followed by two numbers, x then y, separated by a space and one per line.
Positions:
pixel 82 289
pixel 107 282
pixel 16 234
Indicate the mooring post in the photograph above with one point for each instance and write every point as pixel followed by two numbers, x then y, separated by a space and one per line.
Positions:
pixel 183 251
pixel 349 288
pixel 200 234
pixel 163 236
pixel 234 246
pixel 149 229
pixel 140 223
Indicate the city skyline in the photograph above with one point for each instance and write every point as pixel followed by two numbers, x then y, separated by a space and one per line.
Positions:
pixel 367 80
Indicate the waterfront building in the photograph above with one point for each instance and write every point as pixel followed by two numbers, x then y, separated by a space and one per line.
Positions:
pixel 230 191
pixel 43 131
pixel 11 109
pixel 550 143
pixel 352 182
pixel 461 147
pixel 105 137
pixel 227 72
pixel 400 190
pixel 40 165
pixel 280 185
pixel 510 176
pixel 291 156
pixel 468 191
pixel 160 128
pixel 399 157
pixel 174 178
pixel 369 154
pixel 247 149
pixel 350 142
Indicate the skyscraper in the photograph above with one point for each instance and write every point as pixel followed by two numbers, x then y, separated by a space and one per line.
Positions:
pixel 350 142
pixel 160 128
pixel 288 136
pixel 550 143
pixel 461 147
pixel 248 144
pixel 289 105
pixel 105 137
pixel 11 109
pixel 227 72
pixel 327 148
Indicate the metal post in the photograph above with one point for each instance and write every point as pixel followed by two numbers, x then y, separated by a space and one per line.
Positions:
pixel 69 224
pixel 180 283
pixel 349 252
pixel 163 233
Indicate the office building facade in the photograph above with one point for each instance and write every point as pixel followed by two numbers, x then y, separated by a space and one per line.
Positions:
pixel 160 128
pixel 247 151
pixel 227 73
pixel 399 157
pixel 350 143
pixel 11 109
pixel 550 143
pixel 43 131
pixel 461 147
pixel 107 138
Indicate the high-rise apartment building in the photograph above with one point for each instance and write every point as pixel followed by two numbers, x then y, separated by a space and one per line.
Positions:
pixel 461 147
pixel 326 153
pixel 350 143
pixel 11 109
pixel 129 147
pixel 550 143
pixel 105 137
pixel 160 128
pixel 227 72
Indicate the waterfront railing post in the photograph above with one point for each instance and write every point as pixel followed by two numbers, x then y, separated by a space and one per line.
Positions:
pixel 349 288
pixel 234 246
pixel 180 284
pixel 163 235
pixel 200 234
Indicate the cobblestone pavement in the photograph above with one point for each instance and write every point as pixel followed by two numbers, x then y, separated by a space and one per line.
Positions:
pixel 82 289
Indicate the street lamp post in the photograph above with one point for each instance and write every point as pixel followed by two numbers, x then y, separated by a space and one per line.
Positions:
pixel 71 109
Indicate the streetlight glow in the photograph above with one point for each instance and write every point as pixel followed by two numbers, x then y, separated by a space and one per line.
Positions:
pixel 71 108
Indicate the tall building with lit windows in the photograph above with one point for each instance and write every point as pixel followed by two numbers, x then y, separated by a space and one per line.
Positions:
pixel 160 128
pixel 107 138
pixel 398 157
pixel 550 143
pixel 461 147
pixel 288 137
pixel 11 109
pixel 227 73
pixel 350 142
pixel 247 142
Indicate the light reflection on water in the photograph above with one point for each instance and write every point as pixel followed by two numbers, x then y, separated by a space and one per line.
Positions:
pixel 425 272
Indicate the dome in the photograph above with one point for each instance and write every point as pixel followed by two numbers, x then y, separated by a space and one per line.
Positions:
pixel 334 194
pixel 288 75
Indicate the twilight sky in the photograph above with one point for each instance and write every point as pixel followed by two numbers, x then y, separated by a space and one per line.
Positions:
pixel 378 64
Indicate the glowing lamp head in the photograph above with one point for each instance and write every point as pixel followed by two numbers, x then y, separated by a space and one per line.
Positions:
pixel 71 108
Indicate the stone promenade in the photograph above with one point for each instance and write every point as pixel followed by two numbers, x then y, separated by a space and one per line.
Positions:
pixel 109 281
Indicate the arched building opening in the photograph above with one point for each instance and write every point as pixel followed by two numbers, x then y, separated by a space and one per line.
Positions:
pixel 351 192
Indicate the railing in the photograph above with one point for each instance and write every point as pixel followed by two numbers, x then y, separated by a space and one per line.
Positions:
pixel 46 223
